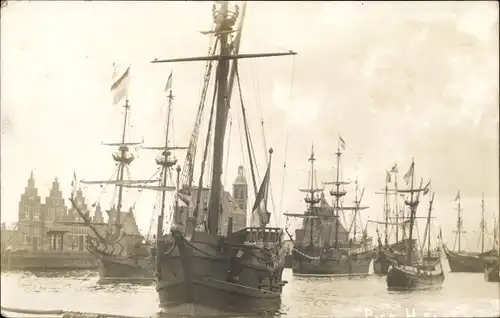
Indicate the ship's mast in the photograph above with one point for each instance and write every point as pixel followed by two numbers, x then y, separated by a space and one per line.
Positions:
pixel 223 29
pixel 396 202
pixel 338 194
pixel 459 230
pixel 483 223
pixel 413 204
pixel 431 201
pixel 312 201
pixel 224 20
pixel 164 183
pixel 356 211
pixel 123 152
pixel 386 209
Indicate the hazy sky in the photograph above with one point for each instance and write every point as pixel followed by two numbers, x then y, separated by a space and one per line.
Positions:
pixel 394 79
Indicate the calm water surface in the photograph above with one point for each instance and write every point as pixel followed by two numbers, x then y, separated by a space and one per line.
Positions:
pixel 462 295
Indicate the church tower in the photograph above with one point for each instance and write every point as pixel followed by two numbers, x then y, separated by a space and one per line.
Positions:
pixel 240 196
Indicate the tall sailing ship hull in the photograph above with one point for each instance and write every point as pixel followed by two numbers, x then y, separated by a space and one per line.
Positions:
pixel 116 268
pixel 492 269
pixel 204 276
pixel 465 263
pixel 385 257
pixel 410 277
pixel 338 265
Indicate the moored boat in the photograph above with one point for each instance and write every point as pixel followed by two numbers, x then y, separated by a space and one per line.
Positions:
pixel 202 271
pixel 417 275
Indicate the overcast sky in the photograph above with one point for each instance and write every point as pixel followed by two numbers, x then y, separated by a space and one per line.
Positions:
pixel 396 80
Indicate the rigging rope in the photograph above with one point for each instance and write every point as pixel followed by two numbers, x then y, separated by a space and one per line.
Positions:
pixel 205 153
pixel 188 168
pixel 247 133
pixel 228 147
pixel 286 143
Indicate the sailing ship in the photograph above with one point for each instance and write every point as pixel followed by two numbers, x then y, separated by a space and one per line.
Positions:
pixel 492 262
pixel 460 260
pixel 386 253
pixel 317 251
pixel 415 274
pixel 200 271
pixel 122 252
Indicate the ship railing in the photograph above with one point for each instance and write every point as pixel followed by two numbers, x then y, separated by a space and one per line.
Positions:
pixel 257 235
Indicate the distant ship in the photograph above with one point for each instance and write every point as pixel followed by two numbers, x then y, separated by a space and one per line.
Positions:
pixel 492 262
pixel 323 246
pixel 460 260
pixel 416 273
pixel 123 253
pixel 387 252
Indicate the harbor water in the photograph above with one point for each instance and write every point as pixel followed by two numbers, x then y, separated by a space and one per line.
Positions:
pixel 462 295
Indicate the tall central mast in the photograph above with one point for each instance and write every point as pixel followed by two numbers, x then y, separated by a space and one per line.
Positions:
pixel 224 26
pixel 224 21
pixel 123 158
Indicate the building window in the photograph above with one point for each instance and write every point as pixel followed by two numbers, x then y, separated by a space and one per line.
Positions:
pixel 35 232
pixel 26 236
pixel 24 213
pixel 36 213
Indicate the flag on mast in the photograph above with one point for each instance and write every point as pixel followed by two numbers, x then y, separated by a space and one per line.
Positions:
pixel 119 88
pixel 409 174
pixel 458 196
pixel 388 177
pixel 168 86
pixel 342 143
pixel 427 187
pixel 260 205
pixel 394 168
pixel 74 183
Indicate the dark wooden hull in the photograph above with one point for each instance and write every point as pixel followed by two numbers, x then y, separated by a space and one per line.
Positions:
pixel 384 257
pixel 122 269
pixel 24 260
pixel 334 265
pixel 194 279
pixel 410 277
pixel 464 263
pixel 492 269
pixel 381 263
pixel 289 261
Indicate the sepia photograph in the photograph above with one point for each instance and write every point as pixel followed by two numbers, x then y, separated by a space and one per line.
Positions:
pixel 249 159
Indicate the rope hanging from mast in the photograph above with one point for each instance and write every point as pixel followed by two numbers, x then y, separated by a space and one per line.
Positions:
pixel 247 132
pixel 205 154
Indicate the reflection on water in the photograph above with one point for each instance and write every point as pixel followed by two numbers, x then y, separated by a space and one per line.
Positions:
pixel 462 294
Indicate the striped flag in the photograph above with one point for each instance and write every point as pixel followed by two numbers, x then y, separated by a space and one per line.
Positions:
pixel 119 88
pixel 168 86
